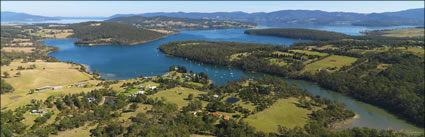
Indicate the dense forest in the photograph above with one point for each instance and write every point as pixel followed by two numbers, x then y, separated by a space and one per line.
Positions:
pixel 299 33
pixel 397 87
pixel 178 24
pixel 103 33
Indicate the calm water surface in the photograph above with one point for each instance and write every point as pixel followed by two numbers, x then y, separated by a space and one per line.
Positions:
pixel 124 62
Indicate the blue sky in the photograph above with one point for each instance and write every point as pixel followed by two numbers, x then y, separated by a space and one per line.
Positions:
pixel 108 8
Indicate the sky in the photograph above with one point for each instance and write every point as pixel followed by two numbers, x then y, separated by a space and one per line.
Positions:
pixel 108 8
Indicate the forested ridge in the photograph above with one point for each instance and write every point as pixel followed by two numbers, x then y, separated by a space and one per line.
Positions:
pixel 385 73
pixel 299 33
pixel 321 35
pixel 102 33
pixel 178 24
pixel 399 88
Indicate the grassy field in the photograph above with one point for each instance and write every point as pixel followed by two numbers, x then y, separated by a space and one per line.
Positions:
pixel 283 53
pixel 414 50
pixel 45 74
pixel 275 61
pixel 329 62
pixel 196 135
pixel 19 49
pixel 173 95
pixel 83 131
pixel 238 56
pixel 310 52
pixel 404 33
pixel 284 112
pixel 417 51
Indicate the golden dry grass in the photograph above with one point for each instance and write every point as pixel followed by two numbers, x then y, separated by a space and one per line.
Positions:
pixel 83 131
pixel 310 52
pixel 284 112
pixel 45 74
pixel 18 49
pixel 173 95
pixel 405 33
pixel 329 62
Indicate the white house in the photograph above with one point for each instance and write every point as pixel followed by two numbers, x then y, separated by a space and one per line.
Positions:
pixel 216 96
pixel 153 87
pixel 57 87
pixel 139 92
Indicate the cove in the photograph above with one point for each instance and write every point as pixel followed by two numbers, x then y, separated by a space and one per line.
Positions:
pixel 124 62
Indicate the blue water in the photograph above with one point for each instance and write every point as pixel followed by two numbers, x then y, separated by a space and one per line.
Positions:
pixel 124 62
pixel 232 100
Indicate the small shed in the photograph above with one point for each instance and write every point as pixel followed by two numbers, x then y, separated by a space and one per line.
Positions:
pixel 43 88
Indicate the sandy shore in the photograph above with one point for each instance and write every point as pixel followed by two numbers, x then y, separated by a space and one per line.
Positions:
pixel 337 126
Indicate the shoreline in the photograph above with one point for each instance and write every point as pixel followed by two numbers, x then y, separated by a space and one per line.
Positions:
pixel 130 44
pixel 344 124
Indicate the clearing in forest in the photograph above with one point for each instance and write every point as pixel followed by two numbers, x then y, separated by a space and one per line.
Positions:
pixel 310 52
pixel 178 95
pixel 332 63
pixel 284 112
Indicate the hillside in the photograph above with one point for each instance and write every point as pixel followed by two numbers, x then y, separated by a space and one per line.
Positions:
pixel 7 16
pixel 298 33
pixel 409 33
pixel 109 33
pixel 306 17
pixel 355 67
pixel 174 23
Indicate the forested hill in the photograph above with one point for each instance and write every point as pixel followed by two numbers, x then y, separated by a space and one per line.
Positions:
pixel 174 23
pixel 386 72
pixel 299 33
pixel 104 33
pixel 306 17
pixel 320 35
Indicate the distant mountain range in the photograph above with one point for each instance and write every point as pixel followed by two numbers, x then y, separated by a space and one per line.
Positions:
pixel 7 16
pixel 273 19
pixel 305 17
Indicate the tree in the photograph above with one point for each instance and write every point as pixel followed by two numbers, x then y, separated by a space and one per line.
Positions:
pixel 18 74
pixel 5 87
pixel 95 73
pixel 133 107
pixel 190 96
pixel 6 74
